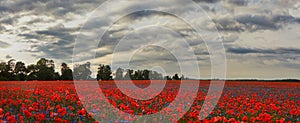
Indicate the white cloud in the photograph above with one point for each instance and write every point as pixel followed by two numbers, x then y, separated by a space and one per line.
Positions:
pixel 33 29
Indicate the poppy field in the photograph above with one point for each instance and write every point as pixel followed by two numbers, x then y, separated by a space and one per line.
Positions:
pixel 58 101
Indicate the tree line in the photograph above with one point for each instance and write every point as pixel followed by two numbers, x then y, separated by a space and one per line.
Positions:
pixel 44 70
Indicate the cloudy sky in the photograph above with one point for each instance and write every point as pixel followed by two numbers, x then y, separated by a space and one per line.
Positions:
pixel 260 37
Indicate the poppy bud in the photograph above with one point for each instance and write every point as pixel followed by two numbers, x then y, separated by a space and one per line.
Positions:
pixel 245 119
pixel 1 111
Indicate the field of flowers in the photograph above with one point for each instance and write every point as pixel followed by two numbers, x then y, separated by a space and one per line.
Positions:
pixel 58 102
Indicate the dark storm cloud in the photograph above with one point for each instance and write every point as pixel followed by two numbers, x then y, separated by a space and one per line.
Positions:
pixel 260 22
pixel 146 13
pixel 55 50
pixel 102 54
pixel 290 61
pixel 58 9
pixel 55 41
pixel 30 36
pixel 238 2
pixel 4 9
pixel 201 52
pixel 4 44
pixel 263 51
pixel 61 52
pixel 26 5
pixel 60 33
pixel 21 5
pixel 254 22
pixel 228 25
pixel 207 1
pixel 7 21
pixel 59 45
pixel 143 14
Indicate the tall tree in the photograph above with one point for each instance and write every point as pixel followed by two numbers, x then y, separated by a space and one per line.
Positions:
pixel 167 78
pixel 145 74
pixel 82 72
pixel 46 69
pixel 176 77
pixel 32 71
pixel 129 74
pixel 20 71
pixel 7 70
pixel 104 72
pixel 182 77
pixel 66 72
pixel 119 74
pixel 4 71
pixel 154 75
pixel 138 75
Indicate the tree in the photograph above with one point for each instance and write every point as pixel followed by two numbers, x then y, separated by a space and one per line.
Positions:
pixel 7 71
pixel 32 71
pixel 145 74
pixel 4 71
pixel 66 72
pixel 119 74
pixel 56 76
pixel 176 77
pixel 142 75
pixel 129 74
pixel 167 78
pixel 154 75
pixel 182 77
pixel 20 71
pixel 82 72
pixel 104 72
pixel 46 69
pixel 138 75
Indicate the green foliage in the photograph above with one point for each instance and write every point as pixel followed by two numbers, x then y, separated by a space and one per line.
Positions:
pixel 167 78
pixel 32 72
pixel 137 75
pixel 129 74
pixel 6 71
pixel 44 70
pixel 82 72
pixel 66 72
pixel 119 74
pixel 176 77
pixel 20 71
pixel 104 72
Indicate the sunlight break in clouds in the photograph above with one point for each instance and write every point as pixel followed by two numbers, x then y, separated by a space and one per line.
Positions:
pixel 261 37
